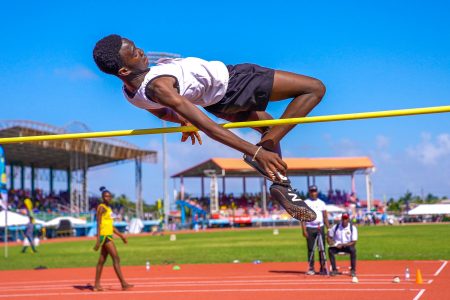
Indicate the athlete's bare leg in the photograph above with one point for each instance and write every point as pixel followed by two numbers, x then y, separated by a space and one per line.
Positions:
pixel 307 93
pixel 260 116
pixel 111 248
pixel 99 268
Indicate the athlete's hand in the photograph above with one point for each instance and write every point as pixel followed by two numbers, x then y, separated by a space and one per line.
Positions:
pixel 193 135
pixel 305 234
pixel 97 246
pixel 272 163
pixel 124 240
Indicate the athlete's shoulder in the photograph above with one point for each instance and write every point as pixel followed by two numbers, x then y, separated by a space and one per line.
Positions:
pixel 102 207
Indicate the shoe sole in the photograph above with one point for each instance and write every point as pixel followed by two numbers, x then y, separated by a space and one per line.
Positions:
pixel 301 213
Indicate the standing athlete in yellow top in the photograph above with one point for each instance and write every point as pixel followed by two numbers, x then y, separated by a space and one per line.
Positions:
pixel 105 230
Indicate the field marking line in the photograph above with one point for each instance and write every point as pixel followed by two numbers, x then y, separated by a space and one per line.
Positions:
pixel 430 281
pixel 444 263
pixel 417 297
pixel 196 284
pixel 199 291
pixel 87 280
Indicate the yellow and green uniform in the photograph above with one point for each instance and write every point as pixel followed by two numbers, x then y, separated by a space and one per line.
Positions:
pixel 106 226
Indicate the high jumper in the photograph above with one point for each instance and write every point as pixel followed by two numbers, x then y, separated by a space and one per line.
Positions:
pixel 173 88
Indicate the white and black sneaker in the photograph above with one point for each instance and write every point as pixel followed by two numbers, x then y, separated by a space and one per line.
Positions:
pixel 290 199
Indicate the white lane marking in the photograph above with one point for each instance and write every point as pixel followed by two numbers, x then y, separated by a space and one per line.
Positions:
pixel 441 268
pixel 91 294
pixel 417 297
pixel 300 276
pixel 193 284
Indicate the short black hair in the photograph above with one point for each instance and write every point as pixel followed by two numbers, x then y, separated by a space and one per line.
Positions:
pixel 106 54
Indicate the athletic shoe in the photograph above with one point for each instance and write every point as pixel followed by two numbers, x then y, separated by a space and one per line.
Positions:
pixel 322 272
pixel 335 272
pixel 254 164
pixel 310 272
pixel 290 200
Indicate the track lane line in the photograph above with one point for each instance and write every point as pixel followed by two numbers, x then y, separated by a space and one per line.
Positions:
pixel 417 297
pixel 203 291
pixel 441 268
pixel 194 284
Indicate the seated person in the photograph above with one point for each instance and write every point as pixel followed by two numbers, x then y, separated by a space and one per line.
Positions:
pixel 342 237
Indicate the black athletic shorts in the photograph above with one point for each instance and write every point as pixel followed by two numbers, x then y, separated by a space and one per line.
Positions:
pixel 249 89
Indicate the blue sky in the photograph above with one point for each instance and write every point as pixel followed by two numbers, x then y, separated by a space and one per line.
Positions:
pixel 371 56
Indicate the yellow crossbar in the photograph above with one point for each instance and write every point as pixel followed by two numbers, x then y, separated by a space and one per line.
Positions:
pixel 276 122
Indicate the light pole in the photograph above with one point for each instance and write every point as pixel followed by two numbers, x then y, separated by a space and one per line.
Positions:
pixel 153 58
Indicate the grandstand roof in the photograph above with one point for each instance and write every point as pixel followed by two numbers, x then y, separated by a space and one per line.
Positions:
pixel 58 154
pixel 236 167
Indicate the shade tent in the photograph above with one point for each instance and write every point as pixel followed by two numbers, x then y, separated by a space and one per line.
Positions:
pixel 223 168
pixel 334 209
pixel 15 219
pixel 236 167
pixel 431 209
pixel 74 221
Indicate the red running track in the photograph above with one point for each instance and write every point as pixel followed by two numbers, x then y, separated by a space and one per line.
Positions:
pixel 234 281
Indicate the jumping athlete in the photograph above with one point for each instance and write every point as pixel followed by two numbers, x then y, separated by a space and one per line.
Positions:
pixel 105 231
pixel 172 89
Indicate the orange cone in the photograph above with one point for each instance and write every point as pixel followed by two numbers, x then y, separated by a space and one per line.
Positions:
pixel 419 277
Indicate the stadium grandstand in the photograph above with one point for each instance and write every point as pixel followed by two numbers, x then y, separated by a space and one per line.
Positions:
pixel 260 205
pixel 63 161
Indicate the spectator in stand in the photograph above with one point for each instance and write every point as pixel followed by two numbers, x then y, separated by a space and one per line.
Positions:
pixel 312 229
pixel 342 237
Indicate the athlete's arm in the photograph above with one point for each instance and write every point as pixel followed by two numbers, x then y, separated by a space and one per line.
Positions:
pixel 100 211
pixel 162 91
pixel 169 115
pixel 119 234
pixel 325 219
pixel 305 233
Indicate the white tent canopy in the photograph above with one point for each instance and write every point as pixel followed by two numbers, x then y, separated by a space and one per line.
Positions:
pixel 15 219
pixel 334 209
pixel 431 209
pixel 74 221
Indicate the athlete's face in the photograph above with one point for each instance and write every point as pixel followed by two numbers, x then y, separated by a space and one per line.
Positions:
pixel 106 197
pixel 313 194
pixel 345 222
pixel 134 59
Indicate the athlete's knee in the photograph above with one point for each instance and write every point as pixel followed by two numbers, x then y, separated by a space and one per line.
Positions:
pixel 318 88
pixel 101 261
pixel 116 259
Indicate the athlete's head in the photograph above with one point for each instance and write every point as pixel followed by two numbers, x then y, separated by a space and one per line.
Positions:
pixel 119 56
pixel 345 218
pixel 313 192
pixel 106 195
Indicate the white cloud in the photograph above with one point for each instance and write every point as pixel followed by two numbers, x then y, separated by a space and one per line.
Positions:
pixel 422 168
pixel 382 141
pixel 431 151
pixel 184 155
pixel 75 73
pixel 345 147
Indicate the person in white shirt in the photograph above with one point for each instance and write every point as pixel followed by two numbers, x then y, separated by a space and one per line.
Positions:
pixel 342 237
pixel 312 229
pixel 174 88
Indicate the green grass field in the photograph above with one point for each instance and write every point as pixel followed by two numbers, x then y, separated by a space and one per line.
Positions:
pixel 413 242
